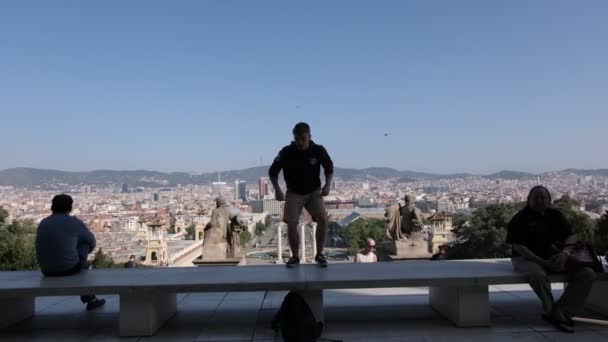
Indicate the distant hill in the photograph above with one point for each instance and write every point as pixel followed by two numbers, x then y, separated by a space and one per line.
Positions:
pixel 589 172
pixel 30 177
pixel 511 175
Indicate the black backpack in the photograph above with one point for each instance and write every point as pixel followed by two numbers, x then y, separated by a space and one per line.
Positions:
pixel 296 321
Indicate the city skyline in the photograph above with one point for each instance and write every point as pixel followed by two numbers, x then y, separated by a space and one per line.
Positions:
pixel 448 87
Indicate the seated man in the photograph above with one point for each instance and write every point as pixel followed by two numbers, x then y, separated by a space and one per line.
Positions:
pixel 131 263
pixel 534 233
pixel 63 244
pixel 367 255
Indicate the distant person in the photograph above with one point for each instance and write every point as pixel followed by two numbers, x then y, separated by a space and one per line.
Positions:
pixel 535 234
pixel 367 255
pixel 131 263
pixel 63 244
pixel 301 164
pixel 440 255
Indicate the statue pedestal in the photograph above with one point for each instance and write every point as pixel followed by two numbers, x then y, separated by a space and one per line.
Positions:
pixel 225 262
pixel 215 251
pixel 403 250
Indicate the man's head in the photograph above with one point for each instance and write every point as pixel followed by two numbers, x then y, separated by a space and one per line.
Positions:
pixel 220 202
pixel 301 136
pixel 62 204
pixel 371 245
pixel 539 199
pixel 132 258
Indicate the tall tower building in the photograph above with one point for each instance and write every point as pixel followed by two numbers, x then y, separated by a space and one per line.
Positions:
pixel 264 187
pixel 240 191
pixel 156 249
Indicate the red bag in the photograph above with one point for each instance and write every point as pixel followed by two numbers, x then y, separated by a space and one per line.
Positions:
pixel 582 255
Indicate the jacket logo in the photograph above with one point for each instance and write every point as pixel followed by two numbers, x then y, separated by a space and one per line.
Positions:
pixel 314 161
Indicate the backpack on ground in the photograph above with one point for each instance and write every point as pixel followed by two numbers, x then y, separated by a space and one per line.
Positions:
pixel 296 321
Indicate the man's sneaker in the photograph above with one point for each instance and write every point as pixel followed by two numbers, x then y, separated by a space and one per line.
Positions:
pixel 293 262
pixel 95 304
pixel 320 259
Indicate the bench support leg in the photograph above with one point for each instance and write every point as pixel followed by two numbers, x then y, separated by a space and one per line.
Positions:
pixel 15 310
pixel 598 298
pixel 142 314
pixel 314 299
pixel 465 306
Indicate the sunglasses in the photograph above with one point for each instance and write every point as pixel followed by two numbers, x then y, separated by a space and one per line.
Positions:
pixel 372 247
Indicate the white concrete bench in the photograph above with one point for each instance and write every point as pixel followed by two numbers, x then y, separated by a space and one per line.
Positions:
pixel 458 289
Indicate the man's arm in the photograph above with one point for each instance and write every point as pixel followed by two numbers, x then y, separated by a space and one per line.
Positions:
pixel 328 168
pixel 528 254
pixel 273 173
pixel 85 236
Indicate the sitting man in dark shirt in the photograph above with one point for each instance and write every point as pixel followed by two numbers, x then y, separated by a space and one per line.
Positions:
pixel 301 164
pixel 131 263
pixel 536 233
pixel 63 244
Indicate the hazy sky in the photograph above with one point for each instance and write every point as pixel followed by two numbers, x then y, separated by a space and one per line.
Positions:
pixel 475 86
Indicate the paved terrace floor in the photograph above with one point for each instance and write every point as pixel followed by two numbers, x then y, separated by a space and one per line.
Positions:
pixel 385 315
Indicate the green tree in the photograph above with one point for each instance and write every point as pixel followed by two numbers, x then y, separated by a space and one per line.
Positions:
pixel 190 230
pixel 3 215
pixel 260 228
pixel 355 234
pixel 601 235
pixel 268 221
pixel 582 224
pixel 171 229
pixel 245 237
pixel 18 246
pixel 484 235
pixel 102 260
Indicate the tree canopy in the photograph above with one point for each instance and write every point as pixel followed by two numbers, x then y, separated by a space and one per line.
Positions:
pixel 355 234
pixel 17 244
pixel 484 234
pixel 190 230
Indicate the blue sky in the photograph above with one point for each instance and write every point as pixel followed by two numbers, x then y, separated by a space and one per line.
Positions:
pixel 474 86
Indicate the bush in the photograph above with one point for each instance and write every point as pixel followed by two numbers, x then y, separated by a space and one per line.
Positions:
pixel 484 235
pixel 245 237
pixel 18 246
pixel 355 234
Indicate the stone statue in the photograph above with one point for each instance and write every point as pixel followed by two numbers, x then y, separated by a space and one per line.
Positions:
pixel 393 222
pixel 404 228
pixel 402 222
pixel 411 224
pixel 221 238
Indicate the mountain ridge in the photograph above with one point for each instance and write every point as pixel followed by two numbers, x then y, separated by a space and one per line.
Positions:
pixel 32 177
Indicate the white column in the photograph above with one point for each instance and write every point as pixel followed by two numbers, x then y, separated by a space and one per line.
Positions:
pixel 313 226
pixel 141 314
pixel 15 309
pixel 280 243
pixel 465 306
pixel 302 243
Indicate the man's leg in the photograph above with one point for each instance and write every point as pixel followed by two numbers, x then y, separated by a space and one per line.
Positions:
pixel 316 207
pixel 538 279
pixel 291 216
pixel 83 264
pixel 575 295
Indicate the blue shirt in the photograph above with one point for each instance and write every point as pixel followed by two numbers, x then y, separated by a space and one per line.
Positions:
pixel 57 242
